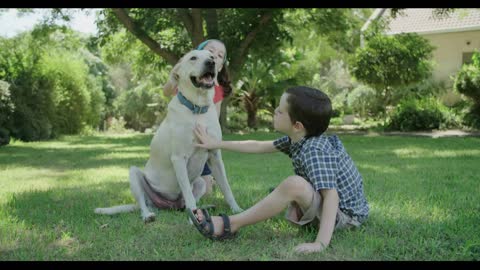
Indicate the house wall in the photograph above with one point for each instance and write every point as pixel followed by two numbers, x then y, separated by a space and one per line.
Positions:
pixel 448 54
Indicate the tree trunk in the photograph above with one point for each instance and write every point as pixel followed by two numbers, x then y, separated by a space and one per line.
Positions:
pixel 198 36
pixel 223 115
pixel 250 101
pixel 240 54
pixel 252 118
pixel 211 19
pixel 123 17
pixel 193 23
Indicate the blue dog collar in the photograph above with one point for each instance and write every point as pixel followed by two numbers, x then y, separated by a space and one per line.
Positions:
pixel 194 108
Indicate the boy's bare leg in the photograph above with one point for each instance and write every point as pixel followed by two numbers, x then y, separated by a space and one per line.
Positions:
pixel 294 188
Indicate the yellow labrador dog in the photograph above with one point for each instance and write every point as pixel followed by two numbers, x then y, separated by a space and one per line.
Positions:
pixel 171 178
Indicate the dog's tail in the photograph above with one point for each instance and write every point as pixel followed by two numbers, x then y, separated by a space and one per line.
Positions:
pixel 117 209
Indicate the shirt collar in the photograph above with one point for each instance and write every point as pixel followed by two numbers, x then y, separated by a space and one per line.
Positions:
pixel 296 146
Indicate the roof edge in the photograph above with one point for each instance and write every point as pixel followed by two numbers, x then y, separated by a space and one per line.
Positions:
pixel 375 15
pixel 439 31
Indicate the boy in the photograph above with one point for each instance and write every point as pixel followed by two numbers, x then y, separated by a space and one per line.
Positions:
pixel 327 188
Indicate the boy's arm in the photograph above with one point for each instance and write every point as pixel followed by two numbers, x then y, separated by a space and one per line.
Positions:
pixel 327 224
pixel 329 213
pixel 249 146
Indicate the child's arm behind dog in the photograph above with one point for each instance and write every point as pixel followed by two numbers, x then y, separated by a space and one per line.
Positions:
pixel 249 146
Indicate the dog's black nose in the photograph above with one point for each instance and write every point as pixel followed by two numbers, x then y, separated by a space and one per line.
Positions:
pixel 209 63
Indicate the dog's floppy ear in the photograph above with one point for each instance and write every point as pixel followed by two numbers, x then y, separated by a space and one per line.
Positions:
pixel 174 73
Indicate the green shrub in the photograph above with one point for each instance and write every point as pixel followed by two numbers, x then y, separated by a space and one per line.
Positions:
pixel 362 100
pixel 236 119
pixel 142 107
pixel 467 82
pixel 34 108
pixel 4 136
pixel 336 121
pixel 472 117
pixel 96 107
pixel 66 76
pixel 6 110
pixel 30 120
pixel 117 126
pixel 419 90
pixel 52 88
pixel 414 115
pixel 387 62
pixel 339 104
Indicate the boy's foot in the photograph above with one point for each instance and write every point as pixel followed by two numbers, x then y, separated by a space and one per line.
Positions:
pixel 215 228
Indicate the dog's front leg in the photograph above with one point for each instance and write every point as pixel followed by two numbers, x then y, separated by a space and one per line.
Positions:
pixel 180 166
pixel 218 171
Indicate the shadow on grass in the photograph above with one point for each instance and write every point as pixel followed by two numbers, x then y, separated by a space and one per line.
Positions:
pixel 81 156
pixel 60 224
pixel 126 140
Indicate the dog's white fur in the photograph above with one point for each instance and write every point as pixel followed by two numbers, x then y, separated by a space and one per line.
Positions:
pixel 175 164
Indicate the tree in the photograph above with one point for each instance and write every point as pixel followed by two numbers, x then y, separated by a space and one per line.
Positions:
pixel 263 81
pixel 169 33
pixel 387 62
pixel 50 83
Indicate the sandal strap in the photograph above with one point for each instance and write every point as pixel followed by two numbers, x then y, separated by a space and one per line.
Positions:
pixel 207 221
pixel 226 224
pixel 206 214
pixel 206 226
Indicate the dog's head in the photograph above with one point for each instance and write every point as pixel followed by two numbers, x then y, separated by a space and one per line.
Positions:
pixel 195 69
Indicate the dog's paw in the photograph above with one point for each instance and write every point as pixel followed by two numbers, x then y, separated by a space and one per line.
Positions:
pixel 236 209
pixel 99 211
pixel 149 218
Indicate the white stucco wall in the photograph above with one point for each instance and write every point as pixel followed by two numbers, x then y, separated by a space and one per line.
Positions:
pixel 448 54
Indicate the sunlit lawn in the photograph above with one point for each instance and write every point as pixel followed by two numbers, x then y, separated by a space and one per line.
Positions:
pixel 424 196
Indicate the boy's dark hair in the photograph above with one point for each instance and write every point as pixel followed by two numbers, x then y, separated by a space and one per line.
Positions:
pixel 311 107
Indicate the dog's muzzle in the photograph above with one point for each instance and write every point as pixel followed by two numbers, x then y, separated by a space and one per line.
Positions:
pixel 207 78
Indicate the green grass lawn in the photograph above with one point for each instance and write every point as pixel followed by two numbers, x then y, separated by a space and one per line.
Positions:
pixel 424 196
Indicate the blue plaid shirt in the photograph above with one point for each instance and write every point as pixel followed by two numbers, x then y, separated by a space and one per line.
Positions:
pixel 324 162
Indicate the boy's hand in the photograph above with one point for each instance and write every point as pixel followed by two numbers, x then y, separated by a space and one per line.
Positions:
pixel 206 141
pixel 310 248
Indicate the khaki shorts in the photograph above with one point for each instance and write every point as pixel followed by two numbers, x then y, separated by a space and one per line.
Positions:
pixel 299 216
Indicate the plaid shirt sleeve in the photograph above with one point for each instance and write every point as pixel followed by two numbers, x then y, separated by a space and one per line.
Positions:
pixel 283 144
pixel 321 168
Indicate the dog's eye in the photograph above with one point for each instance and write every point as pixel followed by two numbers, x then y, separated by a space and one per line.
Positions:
pixel 193 58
